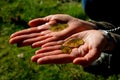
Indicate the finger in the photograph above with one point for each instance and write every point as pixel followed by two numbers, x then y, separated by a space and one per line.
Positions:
pixel 40 43
pixel 54 52
pixel 52 43
pixel 87 59
pixel 48 49
pixel 80 51
pixel 55 59
pixel 32 40
pixel 40 21
pixel 23 37
pixel 31 30
pixel 83 49
pixel 59 17
pixel 22 32
pixel 75 52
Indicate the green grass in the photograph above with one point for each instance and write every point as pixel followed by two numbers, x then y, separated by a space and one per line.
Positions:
pixel 14 15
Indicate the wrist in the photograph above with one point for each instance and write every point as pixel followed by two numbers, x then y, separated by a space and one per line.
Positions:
pixel 110 41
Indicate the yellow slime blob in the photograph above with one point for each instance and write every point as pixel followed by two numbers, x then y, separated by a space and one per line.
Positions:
pixel 58 27
pixel 74 43
pixel 66 49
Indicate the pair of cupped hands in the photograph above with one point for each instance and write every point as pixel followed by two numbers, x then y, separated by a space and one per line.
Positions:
pixel 50 42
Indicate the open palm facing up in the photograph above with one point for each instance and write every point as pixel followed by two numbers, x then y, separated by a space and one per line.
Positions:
pixel 40 30
pixel 84 55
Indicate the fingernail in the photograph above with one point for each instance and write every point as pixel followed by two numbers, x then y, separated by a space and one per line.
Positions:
pixel 39 61
pixel 12 36
pixel 33 59
pixel 36 52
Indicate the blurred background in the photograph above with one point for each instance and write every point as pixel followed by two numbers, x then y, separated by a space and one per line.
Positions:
pixel 15 63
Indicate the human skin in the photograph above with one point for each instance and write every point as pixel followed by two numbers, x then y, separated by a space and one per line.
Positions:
pixel 51 52
pixel 40 35
pixel 39 32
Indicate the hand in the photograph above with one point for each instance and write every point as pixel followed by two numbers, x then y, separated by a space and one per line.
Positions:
pixel 84 55
pixel 40 32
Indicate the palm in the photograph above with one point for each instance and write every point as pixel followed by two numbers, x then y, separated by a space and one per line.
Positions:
pixel 92 48
pixel 37 36
pixel 84 54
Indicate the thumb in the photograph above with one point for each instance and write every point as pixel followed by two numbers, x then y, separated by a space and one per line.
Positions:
pixel 36 22
pixel 88 58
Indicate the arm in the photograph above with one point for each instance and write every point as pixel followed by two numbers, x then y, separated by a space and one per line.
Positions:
pixel 113 31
